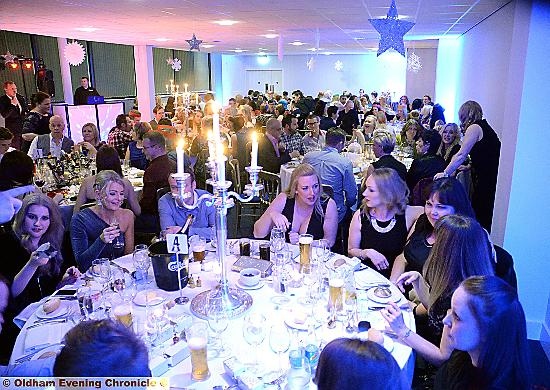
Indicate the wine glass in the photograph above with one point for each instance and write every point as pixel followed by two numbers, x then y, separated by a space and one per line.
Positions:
pixel 117 242
pixel 142 262
pixel 279 341
pixel 39 176
pixel 119 282
pixel 218 322
pixel 322 250
pixel 85 302
pixel 254 333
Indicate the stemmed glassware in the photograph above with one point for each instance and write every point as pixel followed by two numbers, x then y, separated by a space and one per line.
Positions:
pixel 254 332
pixel 277 240
pixel 218 321
pixel 39 176
pixel 117 242
pixel 85 302
pixel 142 262
pixel 279 341
pixel 104 277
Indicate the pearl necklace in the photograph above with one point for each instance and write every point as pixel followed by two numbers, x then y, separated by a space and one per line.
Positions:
pixel 374 223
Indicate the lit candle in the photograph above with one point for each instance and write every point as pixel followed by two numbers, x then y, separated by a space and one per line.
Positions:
pixel 177 88
pixel 216 123
pixel 166 88
pixel 254 154
pixel 180 156
pixel 211 149
pixel 185 86
pixel 221 163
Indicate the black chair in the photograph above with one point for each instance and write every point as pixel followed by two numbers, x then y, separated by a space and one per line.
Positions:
pixel 251 209
pixel 161 192
pixel 505 266
pixel 421 192
pixel 272 185
pixel 340 245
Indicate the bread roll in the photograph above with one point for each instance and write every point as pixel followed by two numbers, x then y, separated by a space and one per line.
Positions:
pixel 376 336
pixel 339 262
pixel 51 305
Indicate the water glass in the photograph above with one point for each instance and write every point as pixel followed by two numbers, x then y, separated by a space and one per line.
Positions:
pixel 254 332
pixel 279 340
pixel 277 240
pixel 197 341
pixel 142 262
pixel 218 321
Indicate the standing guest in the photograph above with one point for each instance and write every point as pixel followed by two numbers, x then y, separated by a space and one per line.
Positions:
pixel 329 121
pixel 427 163
pixel 91 141
pixel 291 138
pixel 120 136
pixel 241 136
pixel 357 364
pixel 484 343
pixel 481 143
pixel 154 178
pixel 348 119
pixel 37 121
pixel 271 153
pixel 378 230
pixel 173 214
pixel 436 115
pixel 82 93
pixel 54 144
pixel 209 104
pixel 6 138
pixel 96 230
pixel 170 104
pixel 383 144
pixel 315 139
pixel 106 160
pixel 301 209
pixel 13 108
pixel 134 153
pixel 158 113
pixel 450 142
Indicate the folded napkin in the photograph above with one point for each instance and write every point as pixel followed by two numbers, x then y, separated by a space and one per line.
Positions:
pixel 368 277
pixel 44 335
pixel 27 312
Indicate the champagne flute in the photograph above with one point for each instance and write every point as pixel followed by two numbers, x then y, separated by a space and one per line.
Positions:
pixel 254 333
pixel 117 242
pixel 218 322
pixel 279 341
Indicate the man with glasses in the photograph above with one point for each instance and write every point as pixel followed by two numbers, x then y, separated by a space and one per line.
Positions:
pixel 271 153
pixel 290 138
pixel 154 178
pixel 315 139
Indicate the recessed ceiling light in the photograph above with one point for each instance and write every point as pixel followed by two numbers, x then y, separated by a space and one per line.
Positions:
pixel 314 49
pixel 328 53
pixel 168 13
pixel 207 46
pixel 296 43
pixel 238 50
pixel 269 36
pixel 358 38
pixel 87 29
pixel 162 39
pixel 225 22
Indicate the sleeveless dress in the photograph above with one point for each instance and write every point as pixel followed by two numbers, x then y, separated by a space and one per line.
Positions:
pixel 417 249
pixel 315 226
pixel 485 155
pixel 389 244
pixel 137 158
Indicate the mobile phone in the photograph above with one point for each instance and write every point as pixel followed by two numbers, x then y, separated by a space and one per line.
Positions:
pixel 65 294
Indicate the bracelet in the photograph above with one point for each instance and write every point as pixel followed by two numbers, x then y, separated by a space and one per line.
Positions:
pixel 407 334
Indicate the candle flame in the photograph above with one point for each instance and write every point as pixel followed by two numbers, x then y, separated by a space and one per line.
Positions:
pixel 181 144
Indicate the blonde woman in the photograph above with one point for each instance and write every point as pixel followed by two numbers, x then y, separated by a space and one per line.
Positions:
pixel 91 141
pixel 301 209
pixel 450 142
pixel 379 229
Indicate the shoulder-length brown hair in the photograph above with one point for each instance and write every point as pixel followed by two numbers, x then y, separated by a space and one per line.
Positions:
pixel 54 234
pixel 95 131
pixel 392 188
pixel 303 170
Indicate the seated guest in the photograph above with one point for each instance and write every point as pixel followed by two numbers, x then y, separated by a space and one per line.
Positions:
pixel 96 230
pixel 410 133
pixel 199 152
pixel 379 228
pixel 107 159
pixel 154 178
pixel 91 141
pixel 369 126
pixel 173 215
pixel 315 139
pixel 329 121
pixel 335 170
pixel 301 209
pixel 450 142
pixel 37 121
pixel 381 121
pixel 16 169
pixel 54 144
pixel 135 117
pixel 461 249
pixel 427 163
pixel 120 136
pixel 158 113
pixel 6 137
pixel 436 115
pixel 484 343
pixel 271 153
pixel 241 136
pixel 357 364
pixel 102 348
pixel 348 119
pixel 383 144
pixel 291 138
pixel 134 153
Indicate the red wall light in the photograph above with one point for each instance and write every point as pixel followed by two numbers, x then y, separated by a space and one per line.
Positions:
pixel 14 65
pixel 27 64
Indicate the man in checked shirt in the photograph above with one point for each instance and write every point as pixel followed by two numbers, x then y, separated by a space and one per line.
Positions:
pixel 120 136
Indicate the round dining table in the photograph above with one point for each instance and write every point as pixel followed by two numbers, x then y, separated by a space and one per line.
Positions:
pixel 262 302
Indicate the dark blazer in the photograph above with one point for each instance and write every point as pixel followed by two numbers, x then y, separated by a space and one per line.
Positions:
pixel 14 117
pixel 267 158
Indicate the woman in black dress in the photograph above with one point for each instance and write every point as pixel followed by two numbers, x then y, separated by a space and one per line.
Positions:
pixel 37 121
pixel 450 142
pixel 482 144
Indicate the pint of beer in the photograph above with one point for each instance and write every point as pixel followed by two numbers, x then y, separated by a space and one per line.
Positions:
pixel 198 246
pixel 197 340
pixel 123 314
pixel 335 293
pixel 305 241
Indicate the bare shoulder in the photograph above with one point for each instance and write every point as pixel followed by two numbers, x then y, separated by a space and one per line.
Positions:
pixel 125 215
pixel 412 213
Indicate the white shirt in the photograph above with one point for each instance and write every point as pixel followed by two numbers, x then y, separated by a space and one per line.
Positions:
pixel 55 148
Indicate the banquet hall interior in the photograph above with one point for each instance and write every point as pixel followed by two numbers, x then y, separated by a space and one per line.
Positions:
pixel 138 53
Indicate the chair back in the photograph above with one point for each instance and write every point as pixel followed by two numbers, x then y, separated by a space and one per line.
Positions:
pixel 328 190
pixel 235 175
pixel 505 266
pixel 421 192
pixel 161 192
pixel 272 185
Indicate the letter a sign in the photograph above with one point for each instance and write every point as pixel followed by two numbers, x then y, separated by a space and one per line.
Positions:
pixel 177 243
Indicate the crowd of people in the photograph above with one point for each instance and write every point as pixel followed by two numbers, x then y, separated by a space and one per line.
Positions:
pixel 421 228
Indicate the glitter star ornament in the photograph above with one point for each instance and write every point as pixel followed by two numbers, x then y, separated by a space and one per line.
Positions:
pixel 391 31
pixel 413 63
pixel 310 63
pixel 339 65
pixel 8 57
pixel 74 53
pixel 176 64
pixel 194 43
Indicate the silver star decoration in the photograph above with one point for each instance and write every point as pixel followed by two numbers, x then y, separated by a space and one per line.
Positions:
pixel 176 64
pixel 338 65
pixel 194 43
pixel 391 31
pixel 413 63
pixel 8 57
pixel 310 63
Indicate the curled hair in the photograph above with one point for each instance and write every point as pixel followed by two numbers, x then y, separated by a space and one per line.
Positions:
pixel 411 123
pixel 469 113
pixel 95 132
pixel 461 249
pixel 445 151
pixel 53 235
pixel 357 364
pixel 303 170
pixel 393 190
pixel 107 158
pixel 384 139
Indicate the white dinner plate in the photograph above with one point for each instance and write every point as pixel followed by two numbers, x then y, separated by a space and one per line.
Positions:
pixel 150 297
pixel 395 296
pixel 57 313
pixel 260 284
pixel 51 348
pixel 290 322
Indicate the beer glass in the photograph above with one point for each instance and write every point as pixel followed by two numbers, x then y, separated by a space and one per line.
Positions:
pixel 198 246
pixel 197 340
pixel 123 314
pixel 335 291
pixel 305 241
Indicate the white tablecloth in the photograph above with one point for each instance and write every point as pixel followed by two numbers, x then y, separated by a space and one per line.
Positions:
pixel 180 374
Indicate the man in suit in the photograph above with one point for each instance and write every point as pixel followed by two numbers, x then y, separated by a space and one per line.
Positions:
pixel 82 93
pixel 158 111
pixel 13 107
pixel 271 154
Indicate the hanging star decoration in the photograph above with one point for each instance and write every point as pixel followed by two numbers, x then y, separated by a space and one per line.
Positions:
pixel 339 65
pixel 413 63
pixel 391 31
pixel 74 53
pixel 176 64
pixel 8 57
pixel 194 43
pixel 310 63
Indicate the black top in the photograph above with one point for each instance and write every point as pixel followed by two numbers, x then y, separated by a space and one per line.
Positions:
pixel 485 155
pixel 424 166
pixel 454 150
pixel 388 161
pixel 348 120
pixel 81 95
pixel 315 226
pixel 389 244
pixel 326 123
pixel 417 249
